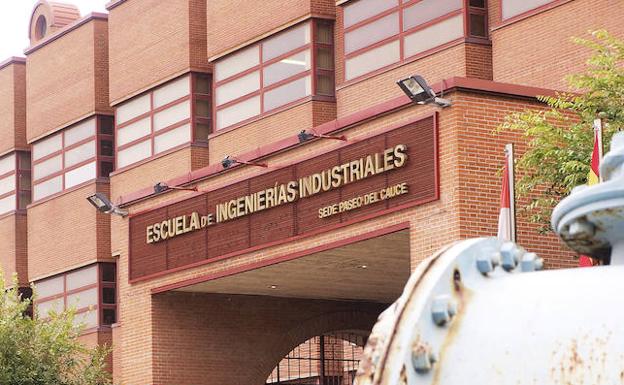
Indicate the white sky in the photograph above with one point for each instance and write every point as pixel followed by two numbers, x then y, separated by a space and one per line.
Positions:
pixel 14 18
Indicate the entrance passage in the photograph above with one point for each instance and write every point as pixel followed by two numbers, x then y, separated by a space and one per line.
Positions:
pixel 329 359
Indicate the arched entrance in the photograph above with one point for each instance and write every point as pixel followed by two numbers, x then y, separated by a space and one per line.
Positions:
pixel 327 359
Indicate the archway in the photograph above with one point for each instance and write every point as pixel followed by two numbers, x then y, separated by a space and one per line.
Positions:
pixel 327 359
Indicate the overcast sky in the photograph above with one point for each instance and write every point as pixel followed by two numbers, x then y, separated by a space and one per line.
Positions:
pixel 15 16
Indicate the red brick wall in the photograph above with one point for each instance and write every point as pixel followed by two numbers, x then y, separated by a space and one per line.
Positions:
pixel 62 86
pixel 538 50
pixel 66 232
pixel 481 159
pixel 141 31
pixel 234 22
pixel 220 329
pixel 12 107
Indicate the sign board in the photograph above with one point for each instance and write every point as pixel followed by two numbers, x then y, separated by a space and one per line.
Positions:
pixel 386 171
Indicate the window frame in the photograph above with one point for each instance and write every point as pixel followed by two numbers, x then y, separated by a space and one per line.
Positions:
pixel 313 72
pixel 17 172
pixel 465 11
pixel 99 159
pixel 193 97
pixel 100 285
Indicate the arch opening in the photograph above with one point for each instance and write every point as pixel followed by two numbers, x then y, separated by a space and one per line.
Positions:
pixel 326 359
pixel 41 27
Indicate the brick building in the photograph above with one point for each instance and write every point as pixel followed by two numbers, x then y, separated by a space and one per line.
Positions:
pixel 279 185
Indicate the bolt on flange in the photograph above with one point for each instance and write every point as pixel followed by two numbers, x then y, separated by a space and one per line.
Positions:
pixel 422 358
pixel 531 262
pixel 487 263
pixel 443 309
pixel 510 255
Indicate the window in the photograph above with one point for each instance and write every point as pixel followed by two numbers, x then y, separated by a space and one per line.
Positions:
pixel 14 181
pixel 76 155
pixel 90 290
pixel 290 66
pixel 166 118
pixel 379 33
pixel 511 8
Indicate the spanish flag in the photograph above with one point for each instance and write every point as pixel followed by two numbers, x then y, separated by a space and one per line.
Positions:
pixel 594 177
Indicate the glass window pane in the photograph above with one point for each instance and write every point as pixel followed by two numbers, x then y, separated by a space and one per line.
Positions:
pixel 134 153
pixel 172 91
pixel 287 93
pixel 427 10
pixel 80 154
pixel 47 146
pixel 372 60
pixel 48 167
pixel 512 8
pixel 435 35
pixel 324 58
pixel 109 316
pixel 172 138
pixel 237 88
pixel 49 287
pixel 106 125
pixel 7 184
pixel 202 108
pixel 80 175
pixel 24 182
pixel 202 131
pixel 477 25
pixel 324 32
pixel 203 84
pixel 134 131
pixel 83 277
pixel 108 295
pixel 372 33
pixel 286 41
pixel 477 3
pixel 237 62
pixel 363 9
pixel 133 108
pixel 24 199
pixel 83 299
pixel 287 67
pixel 107 148
pixel 105 169
pixel 325 84
pixel 48 187
pixel 109 273
pixel 238 112
pixel 88 319
pixel 7 164
pixel 7 204
pixel 80 132
pixel 172 115
pixel 44 308
pixel 24 161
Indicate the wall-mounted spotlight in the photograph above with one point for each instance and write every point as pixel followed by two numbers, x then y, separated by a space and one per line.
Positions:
pixel 161 186
pixel 419 91
pixel 305 136
pixel 229 161
pixel 104 205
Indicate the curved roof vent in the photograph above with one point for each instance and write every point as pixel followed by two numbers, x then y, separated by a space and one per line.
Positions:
pixel 49 17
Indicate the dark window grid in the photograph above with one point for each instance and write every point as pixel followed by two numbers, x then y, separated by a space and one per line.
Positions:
pixel 106 284
pixel 316 45
pixel 153 111
pixel 197 96
pixel 481 11
pixel 97 137
pixel 18 172
pixel 263 89
pixel 399 36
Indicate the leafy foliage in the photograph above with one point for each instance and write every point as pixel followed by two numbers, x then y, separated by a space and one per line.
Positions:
pixel 560 139
pixel 36 352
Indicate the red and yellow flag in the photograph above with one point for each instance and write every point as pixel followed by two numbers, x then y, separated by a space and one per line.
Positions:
pixel 593 178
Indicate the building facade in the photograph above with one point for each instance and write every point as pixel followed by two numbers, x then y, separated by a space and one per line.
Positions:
pixel 279 185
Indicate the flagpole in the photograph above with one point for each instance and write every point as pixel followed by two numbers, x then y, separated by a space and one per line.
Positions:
pixel 598 134
pixel 509 152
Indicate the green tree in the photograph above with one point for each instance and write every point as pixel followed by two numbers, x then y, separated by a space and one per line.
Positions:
pixel 560 139
pixel 36 352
